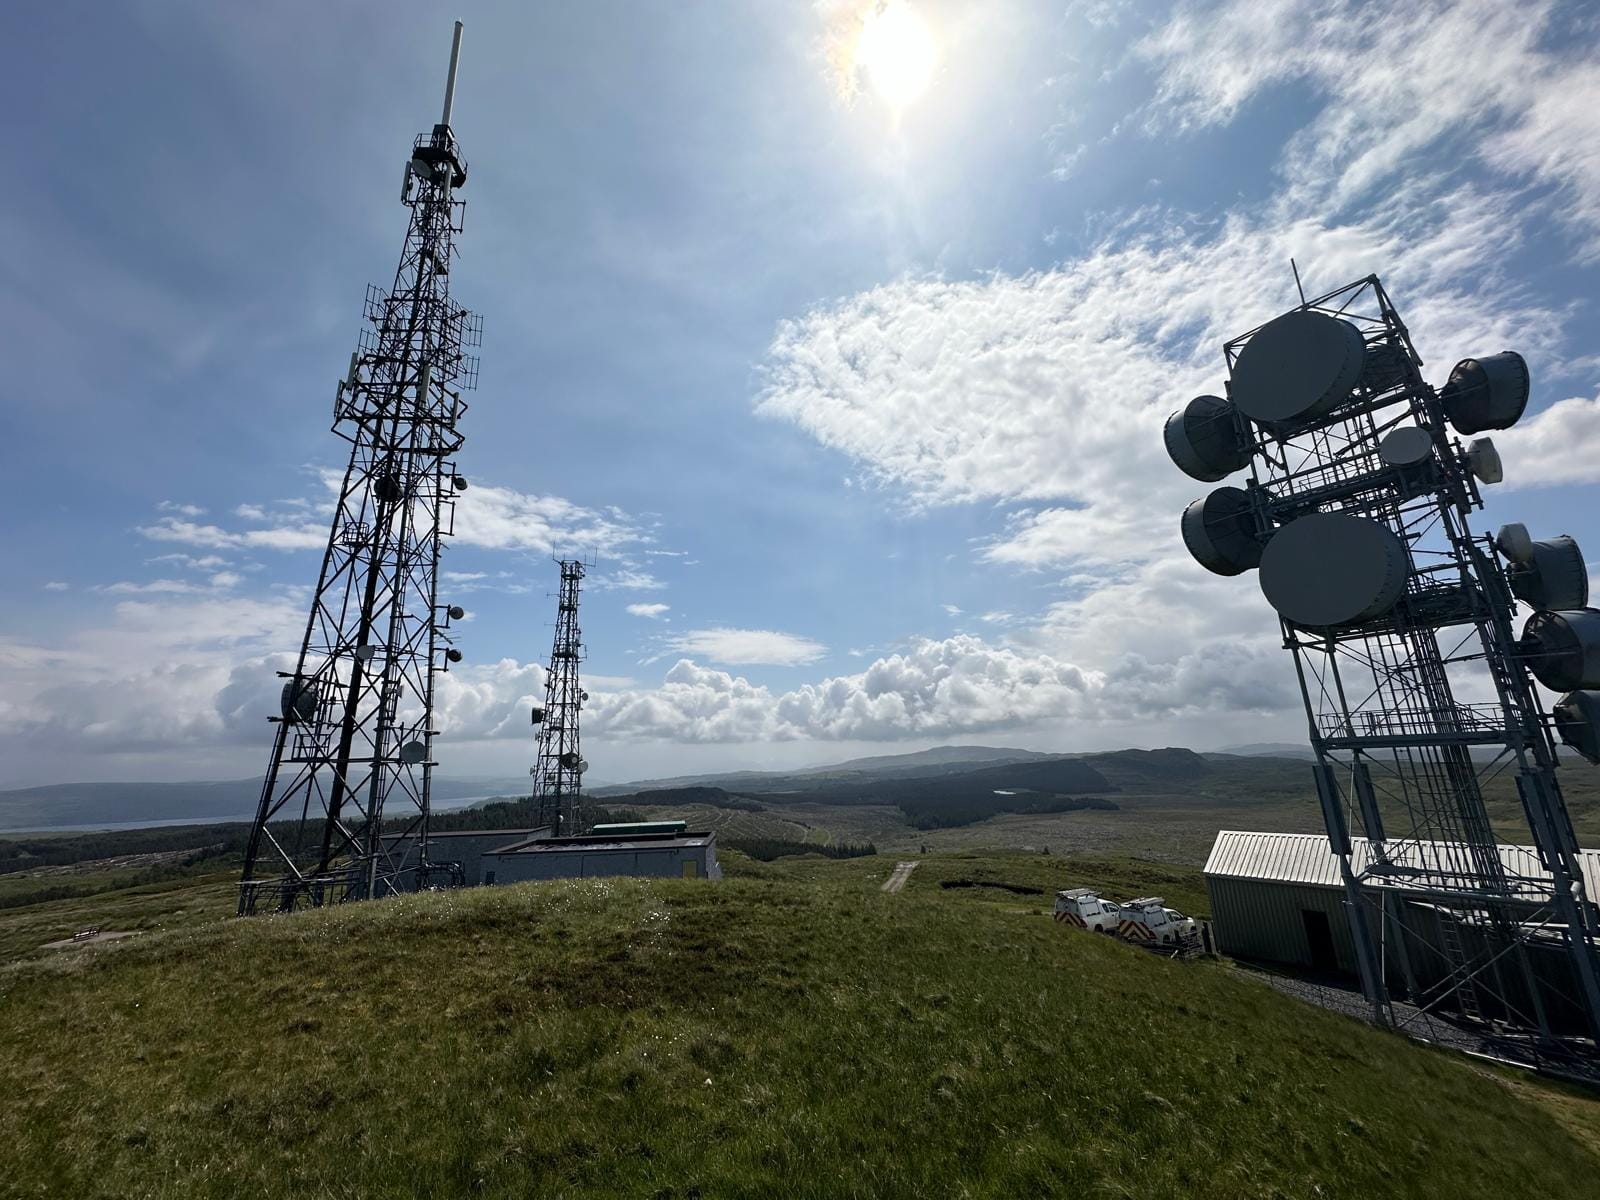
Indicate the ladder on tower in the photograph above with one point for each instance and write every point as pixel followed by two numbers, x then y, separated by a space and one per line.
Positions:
pixel 1456 963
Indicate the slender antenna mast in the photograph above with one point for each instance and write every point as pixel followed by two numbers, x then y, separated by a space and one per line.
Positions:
pixel 345 806
pixel 450 81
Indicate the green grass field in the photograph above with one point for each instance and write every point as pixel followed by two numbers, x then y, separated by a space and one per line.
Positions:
pixel 792 1031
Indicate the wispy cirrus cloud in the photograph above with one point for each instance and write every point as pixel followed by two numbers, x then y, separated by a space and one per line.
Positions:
pixel 747 647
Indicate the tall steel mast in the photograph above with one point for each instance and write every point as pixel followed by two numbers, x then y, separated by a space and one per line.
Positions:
pixel 354 741
pixel 558 773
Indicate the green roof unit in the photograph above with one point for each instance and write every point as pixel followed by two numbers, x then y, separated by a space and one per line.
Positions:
pixel 633 828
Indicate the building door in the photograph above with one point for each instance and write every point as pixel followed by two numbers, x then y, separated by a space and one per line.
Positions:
pixel 1319 936
pixel 691 869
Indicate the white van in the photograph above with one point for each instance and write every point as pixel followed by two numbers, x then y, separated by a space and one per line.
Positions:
pixel 1085 909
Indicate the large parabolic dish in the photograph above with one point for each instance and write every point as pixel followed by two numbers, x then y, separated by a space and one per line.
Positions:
pixel 1327 570
pixel 1301 365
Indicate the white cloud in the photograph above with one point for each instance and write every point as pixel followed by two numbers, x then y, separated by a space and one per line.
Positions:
pixel 1557 445
pixel 654 611
pixel 185 510
pixel 747 647
pixel 56 585
pixel 1049 389
pixel 1489 78
pixel 487 517
pixel 951 610
pixel 498 518
pixel 627 579
pixel 301 536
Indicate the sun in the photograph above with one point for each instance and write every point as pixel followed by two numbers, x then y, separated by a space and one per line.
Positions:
pixel 897 52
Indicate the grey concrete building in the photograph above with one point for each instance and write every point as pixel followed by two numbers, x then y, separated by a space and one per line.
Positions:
pixel 674 855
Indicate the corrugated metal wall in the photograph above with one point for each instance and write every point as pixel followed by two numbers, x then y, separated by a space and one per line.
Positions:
pixel 1261 919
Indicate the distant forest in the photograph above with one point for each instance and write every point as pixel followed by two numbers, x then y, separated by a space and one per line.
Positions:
pixel 767 849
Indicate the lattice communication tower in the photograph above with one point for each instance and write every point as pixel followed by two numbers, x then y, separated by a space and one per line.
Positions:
pixel 558 771
pixel 354 741
pixel 1419 692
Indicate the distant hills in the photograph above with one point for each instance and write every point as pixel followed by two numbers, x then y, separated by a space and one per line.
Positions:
pixel 938 761
pixel 1270 750
pixel 953 782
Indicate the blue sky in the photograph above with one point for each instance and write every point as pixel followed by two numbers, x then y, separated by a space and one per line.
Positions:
pixel 869 400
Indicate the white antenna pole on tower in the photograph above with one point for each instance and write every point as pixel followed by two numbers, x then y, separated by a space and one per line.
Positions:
pixel 450 83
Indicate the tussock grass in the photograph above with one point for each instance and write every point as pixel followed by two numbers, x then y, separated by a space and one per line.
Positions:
pixel 760 1037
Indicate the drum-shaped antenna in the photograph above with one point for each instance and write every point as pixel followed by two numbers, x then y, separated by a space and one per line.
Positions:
pixel 1483 460
pixel 1486 393
pixel 298 702
pixel 1220 531
pixel 1555 578
pixel 413 752
pixel 1326 570
pixel 538 716
pixel 570 760
pixel 1203 438
pixel 1299 366
pixel 1577 717
pixel 1514 542
pixel 1406 446
pixel 457 612
pixel 1562 649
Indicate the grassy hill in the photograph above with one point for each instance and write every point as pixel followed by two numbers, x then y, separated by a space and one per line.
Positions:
pixel 794 1032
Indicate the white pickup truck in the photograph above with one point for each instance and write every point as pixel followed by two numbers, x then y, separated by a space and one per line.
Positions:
pixel 1148 919
pixel 1085 909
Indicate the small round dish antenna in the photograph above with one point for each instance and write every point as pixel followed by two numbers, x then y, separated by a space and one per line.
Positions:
pixel 1515 542
pixel 1483 460
pixel 453 654
pixel 1486 393
pixel 1220 531
pixel 413 752
pixel 364 654
pixel 1406 446
pixel 1299 366
pixel 457 612
pixel 1562 649
pixel 1555 577
pixel 1326 570
pixel 386 488
pixel 1203 439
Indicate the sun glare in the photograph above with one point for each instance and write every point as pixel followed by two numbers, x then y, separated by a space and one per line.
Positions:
pixel 897 52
